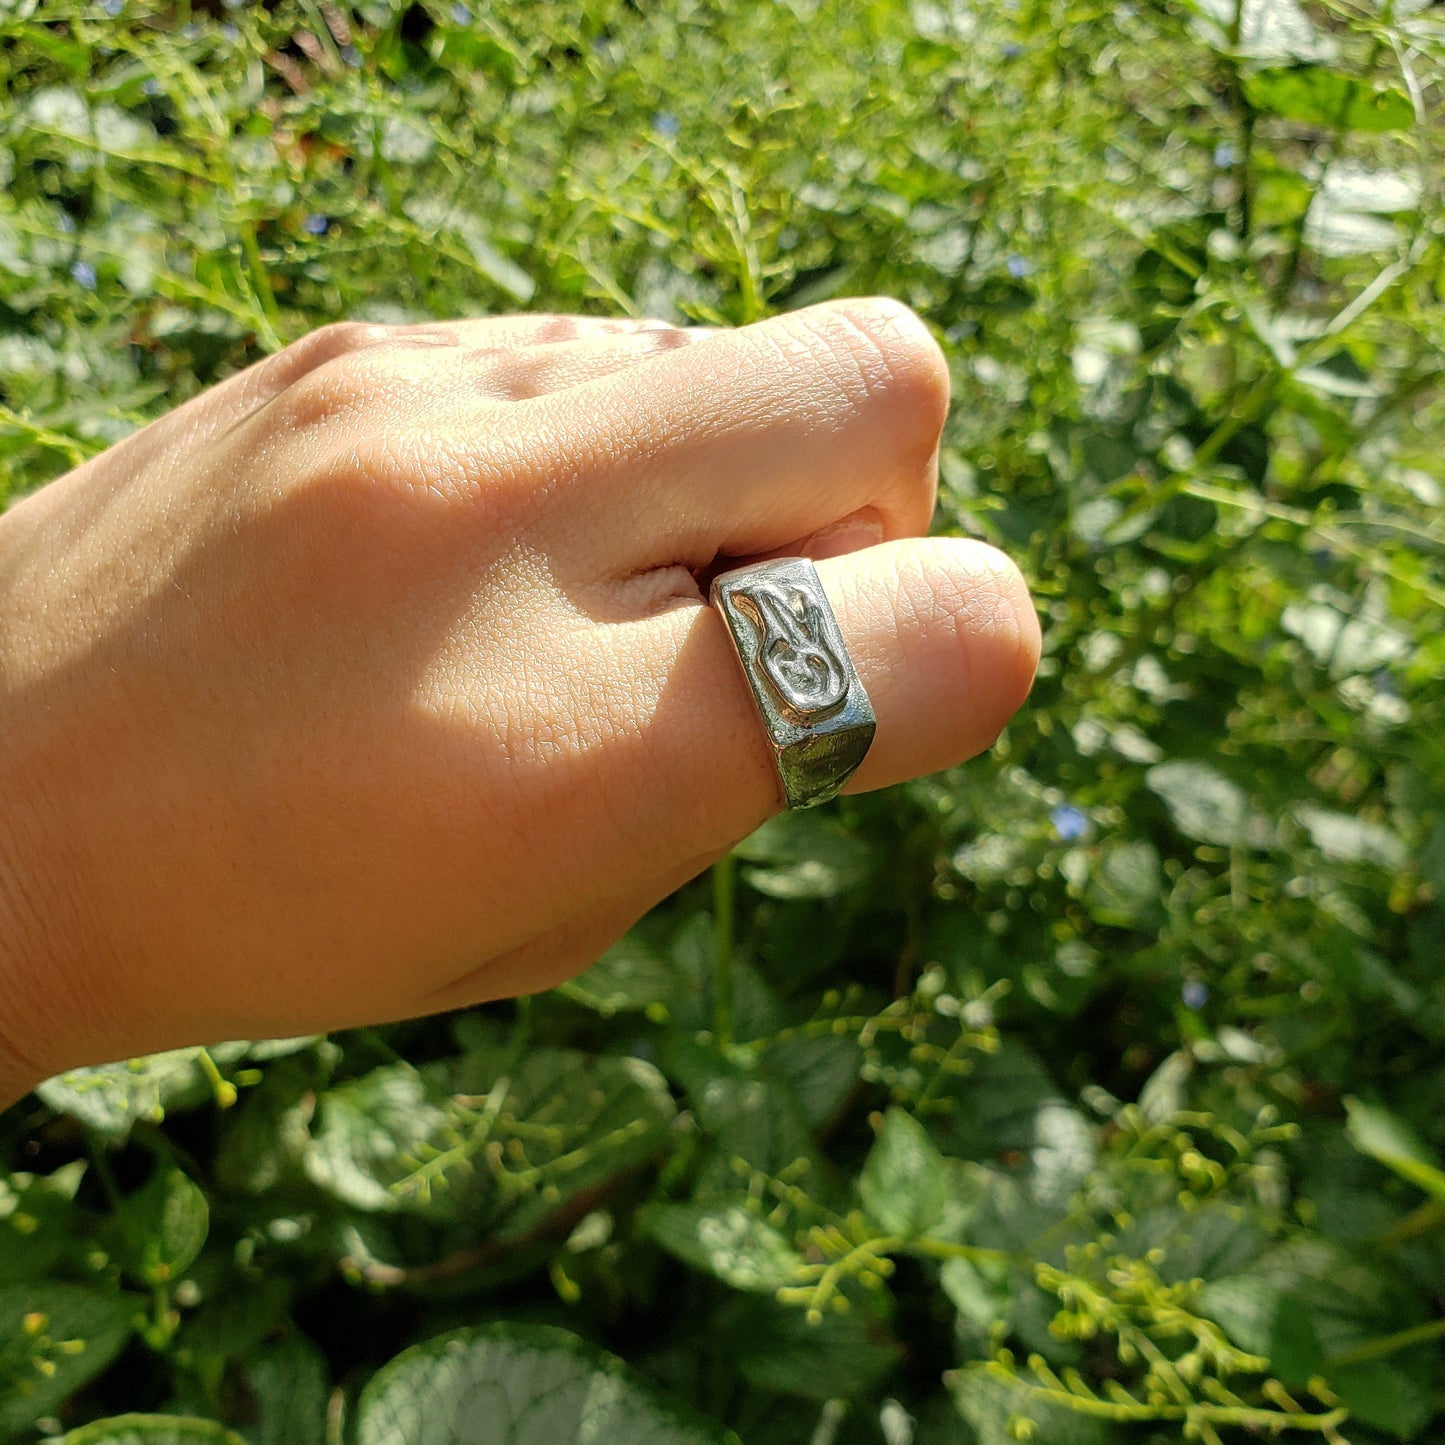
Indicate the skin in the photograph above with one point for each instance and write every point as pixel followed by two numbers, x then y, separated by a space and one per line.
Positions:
pixel 378 680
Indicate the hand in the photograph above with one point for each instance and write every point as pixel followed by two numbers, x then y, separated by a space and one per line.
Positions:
pixel 376 680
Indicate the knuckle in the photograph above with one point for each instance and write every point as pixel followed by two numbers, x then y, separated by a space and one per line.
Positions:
pixel 885 349
pixel 337 338
pixel 349 383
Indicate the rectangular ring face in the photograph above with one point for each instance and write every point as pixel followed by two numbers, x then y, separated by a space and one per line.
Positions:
pixel 811 700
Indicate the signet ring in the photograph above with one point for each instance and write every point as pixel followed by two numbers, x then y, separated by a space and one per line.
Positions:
pixel 811 700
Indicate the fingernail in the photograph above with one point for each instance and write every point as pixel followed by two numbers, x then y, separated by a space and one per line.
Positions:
pixel 851 534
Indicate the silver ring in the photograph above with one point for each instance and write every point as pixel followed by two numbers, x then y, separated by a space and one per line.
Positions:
pixel 817 715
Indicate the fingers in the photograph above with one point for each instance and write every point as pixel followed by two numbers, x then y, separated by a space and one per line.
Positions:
pixel 753 437
pixel 943 635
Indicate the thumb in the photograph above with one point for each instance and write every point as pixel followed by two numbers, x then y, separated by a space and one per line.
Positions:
pixel 942 633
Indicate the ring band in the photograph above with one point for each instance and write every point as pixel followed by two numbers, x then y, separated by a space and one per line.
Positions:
pixel 812 702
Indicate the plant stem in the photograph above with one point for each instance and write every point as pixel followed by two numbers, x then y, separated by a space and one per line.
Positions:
pixel 1388 1344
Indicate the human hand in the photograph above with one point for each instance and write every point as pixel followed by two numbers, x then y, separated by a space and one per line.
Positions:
pixel 376 680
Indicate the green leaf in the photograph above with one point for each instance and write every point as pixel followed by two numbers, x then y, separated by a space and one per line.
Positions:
pixel 578 1121
pixel 288 1382
pixel 1375 1131
pixel 729 1241
pixel 1001 1412
pixel 53 1338
pixel 367 1133
pixel 903 1184
pixel 841 1356
pixel 1205 805
pixel 631 977
pixel 111 1097
pixel 525 1385
pixel 1392 1394
pixel 164 1225
pixel 1322 97
pixel 1123 885
pixel 804 855
pixel 152 1430
pixel 1351 840
pixel 37 1222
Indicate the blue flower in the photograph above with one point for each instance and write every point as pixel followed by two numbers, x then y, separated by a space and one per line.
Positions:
pixel 1070 823
pixel 112 7
pixel 66 222
pixel 1018 268
pixel 460 14
pixel 1194 994
pixel 315 225
pixel 665 124
pixel 84 273
pixel 150 86
pixel 1225 156
pixel 231 32
pixel 351 56
pixel 1012 50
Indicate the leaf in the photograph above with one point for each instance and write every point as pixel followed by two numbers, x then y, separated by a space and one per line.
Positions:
pixel 1375 1131
pixel 1268 29
pixel 804 855
pixel 1351 186
pixel 53 1338
pixel 1351 840
pixel 1392 1394
pixel 630 977
pixel 37 1222
pixel 366 1135
pixel 1322 97
pixel 164 1225
pixel 152 1430
pixel 1205 805
pixel 841 1356
pixel 729 1241
pixel 111 1097
pixel 288 1382
pixel 1122 890
pixel 578 1121
pixel 1333 231
pixel 522 1385
pixel 903 1182
pixel 994 1406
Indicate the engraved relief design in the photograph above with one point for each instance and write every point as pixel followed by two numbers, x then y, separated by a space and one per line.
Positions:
pixel 792 649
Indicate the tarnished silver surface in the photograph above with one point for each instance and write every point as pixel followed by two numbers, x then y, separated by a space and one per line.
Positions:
pixel 812 703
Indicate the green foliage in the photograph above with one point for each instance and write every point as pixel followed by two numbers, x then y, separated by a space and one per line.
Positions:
pixel 1093 1092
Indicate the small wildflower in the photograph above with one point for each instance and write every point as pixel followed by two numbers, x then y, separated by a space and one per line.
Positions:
pixel 190 30
pixel 112 7
pixel 150 86
pixel 665 124
pixel 1225 156
pixel 1070 823
pixel 1194 994
pixel 66 222
pixel 84 273
pixel 231 32
pixel 316 225
pixel 1018 268
pixel 461 15
pixel 1012 50
pixel 351 56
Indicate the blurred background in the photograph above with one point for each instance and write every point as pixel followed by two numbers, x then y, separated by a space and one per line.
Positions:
pixel 1093 1092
